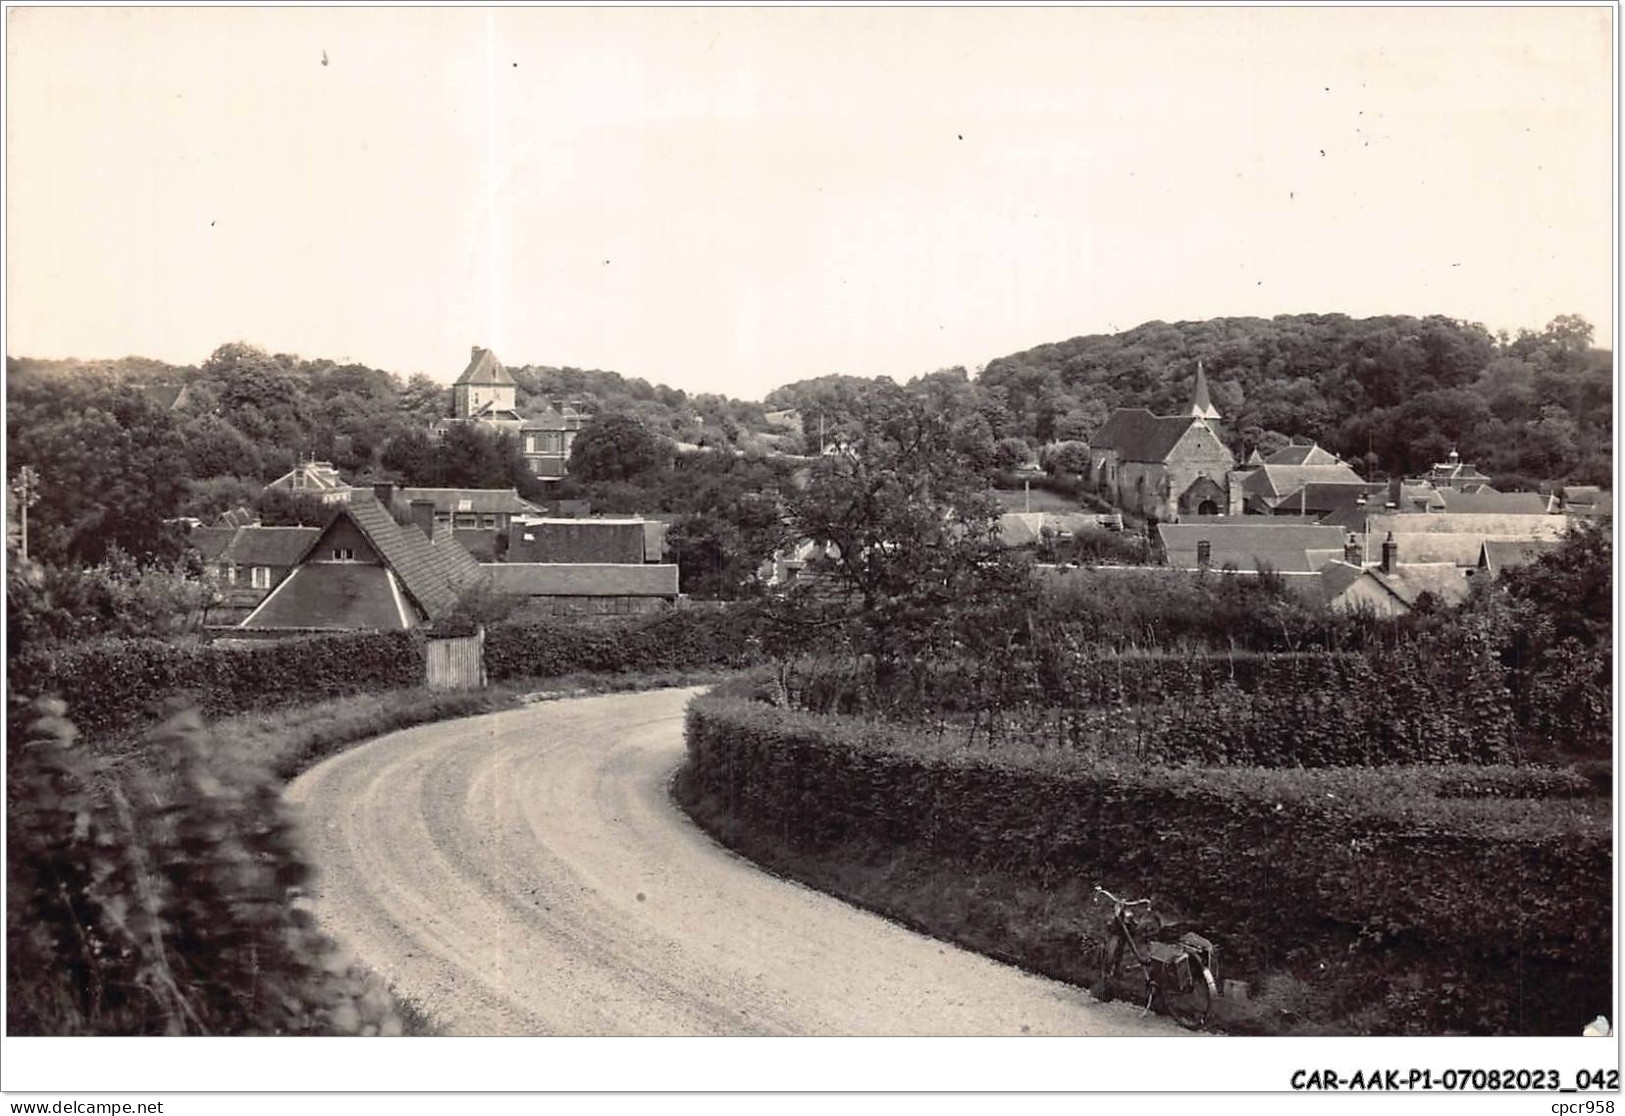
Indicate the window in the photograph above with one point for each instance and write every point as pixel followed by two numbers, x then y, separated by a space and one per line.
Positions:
pixel 343 554
pixel 229 572
pixel 488 521
pixel 465 505
pixel 261 577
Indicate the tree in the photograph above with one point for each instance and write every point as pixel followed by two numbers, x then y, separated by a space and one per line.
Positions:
pixel 914 554
pixel 617 447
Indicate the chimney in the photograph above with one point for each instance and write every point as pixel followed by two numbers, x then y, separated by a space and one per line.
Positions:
pixel 423 516
pixel 1395 491
pixel 1351 550
pixel 1390 554
pixel 474 352
pixel 1204 554
pixel 384 493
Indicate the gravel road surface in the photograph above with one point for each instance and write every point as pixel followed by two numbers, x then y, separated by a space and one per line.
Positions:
pixel 526 873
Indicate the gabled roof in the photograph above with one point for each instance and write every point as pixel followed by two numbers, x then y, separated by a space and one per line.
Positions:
pixel 1138 435
pixel 269 546
pixel 1320 497
pixel 1581 494
pixel 332 595
pixel 310 474
pixel 580 579
pixel 485 369
pixel 434 574
pixel 1274 481
pixel 1310 454
pixel 1498 555
pixel 211 542
pixel 483 501
pixel 1409 580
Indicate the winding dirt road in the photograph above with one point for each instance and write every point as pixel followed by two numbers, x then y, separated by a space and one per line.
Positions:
pixel 526 873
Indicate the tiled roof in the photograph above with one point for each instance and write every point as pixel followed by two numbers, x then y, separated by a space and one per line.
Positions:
pixel 310 475
pixel 1138 435
pixel 270 546
pixel 547 420
pixel 211 542
pixel 570 579
pixel 1495 503
pixel 484 369
pixel 1409 580
pixel 1582 494
pixel 1498 554
pixel 1310 454
pixel 1250 542
pixel 1320 497
pixel 484 501
pixel 1274 481
pixel 434 574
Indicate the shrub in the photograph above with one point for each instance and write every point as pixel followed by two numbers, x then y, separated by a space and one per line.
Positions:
pixel 163 902
pixel 1372 873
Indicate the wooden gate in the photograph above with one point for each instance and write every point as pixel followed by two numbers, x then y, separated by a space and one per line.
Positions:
pixel 456 662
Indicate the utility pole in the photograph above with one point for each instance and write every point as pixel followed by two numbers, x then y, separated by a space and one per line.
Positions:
pixel 26 489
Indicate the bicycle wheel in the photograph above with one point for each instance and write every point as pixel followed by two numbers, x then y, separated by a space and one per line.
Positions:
pixel 1191 1007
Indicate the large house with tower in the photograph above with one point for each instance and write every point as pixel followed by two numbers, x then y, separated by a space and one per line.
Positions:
pixel 486 393
pixel 1166 466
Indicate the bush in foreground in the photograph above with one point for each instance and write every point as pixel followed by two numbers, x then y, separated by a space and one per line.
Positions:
pixel 163 901
pixel 1414 900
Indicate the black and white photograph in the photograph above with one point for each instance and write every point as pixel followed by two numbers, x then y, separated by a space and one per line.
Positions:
pixel 1025 550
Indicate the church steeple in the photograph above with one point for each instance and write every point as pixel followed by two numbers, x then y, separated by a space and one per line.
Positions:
pixel 1202 404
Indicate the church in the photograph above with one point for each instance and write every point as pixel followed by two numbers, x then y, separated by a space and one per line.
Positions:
pixel 1166 467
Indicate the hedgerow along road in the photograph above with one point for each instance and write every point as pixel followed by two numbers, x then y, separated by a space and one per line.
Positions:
pixel 527 873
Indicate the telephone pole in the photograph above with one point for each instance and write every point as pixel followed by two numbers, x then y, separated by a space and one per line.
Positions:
pixel 26 489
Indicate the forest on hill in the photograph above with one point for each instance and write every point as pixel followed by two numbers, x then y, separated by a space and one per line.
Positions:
pixel 116 452
pixel 1391 395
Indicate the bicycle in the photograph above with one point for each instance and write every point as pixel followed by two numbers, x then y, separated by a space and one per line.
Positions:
pixel 1178 975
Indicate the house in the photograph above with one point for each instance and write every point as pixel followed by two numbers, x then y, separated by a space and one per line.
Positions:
pixel 314 478
pixel 1284 482
pixel 1391 587
pixel 1495 557
pixel 1249 544
pixel 486 393
pixel 1451 473
pixel 546 440
pixel 1165 467
pixel 790 563
pixel 591 588
pixel 1449 536
pixel 1315 499
pixel 248 563
pixel 366 571
pixel 478 517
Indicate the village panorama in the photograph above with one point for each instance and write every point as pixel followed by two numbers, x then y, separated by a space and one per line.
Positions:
pixel 1240 676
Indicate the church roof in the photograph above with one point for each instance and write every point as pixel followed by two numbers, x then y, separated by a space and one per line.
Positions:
pixel 485 369
pixel 1138 435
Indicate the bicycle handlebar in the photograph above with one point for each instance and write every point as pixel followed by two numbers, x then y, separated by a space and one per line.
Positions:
pixel 1123 902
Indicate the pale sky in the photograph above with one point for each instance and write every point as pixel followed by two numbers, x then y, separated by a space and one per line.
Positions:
pixel 728 200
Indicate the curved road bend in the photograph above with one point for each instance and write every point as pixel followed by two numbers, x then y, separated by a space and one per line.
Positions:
pixel 526 873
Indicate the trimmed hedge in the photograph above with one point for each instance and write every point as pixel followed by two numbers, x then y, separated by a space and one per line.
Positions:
pixel 1385 877
pixel 1416 704
pixel 116 687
